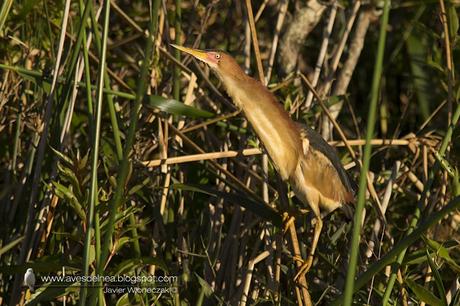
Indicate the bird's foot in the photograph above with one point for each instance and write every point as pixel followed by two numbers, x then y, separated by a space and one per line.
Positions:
pixel 287 222
pixel 304 268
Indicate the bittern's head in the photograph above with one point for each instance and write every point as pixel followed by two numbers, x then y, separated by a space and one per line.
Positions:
pixel 220 62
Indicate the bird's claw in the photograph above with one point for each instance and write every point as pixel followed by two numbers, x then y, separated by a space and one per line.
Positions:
pixel 304 268
pixel 287 221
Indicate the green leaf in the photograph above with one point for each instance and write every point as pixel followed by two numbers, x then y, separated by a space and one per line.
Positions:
pixel 82 162
pixel 456 183
pixel 207 289
pixel 444 163
pixel 138 187
pixel 47 292
pixel 232 127
pixel 341 231
pixel 11 245
pixel 332 100
pixel 416 47
pixel 442 252
pixel 67 194
pixel 452 18
pixel 72 178
pixel 415 258
pixel 4 12
pixel 126 299
pixel 109 156
pixel 130 264
pixel 62 157
pixel 122 215
pixel 192 188
pixel 45 264
pixel 31 75
pixel 175 107
pixel 121 242
pixel 422 293
pixel 437 279
pixel 260 209
pixel 456 299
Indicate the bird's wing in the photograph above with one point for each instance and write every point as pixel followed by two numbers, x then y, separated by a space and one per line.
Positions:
pixel 32 280
pixel 29 279
pixel 326 155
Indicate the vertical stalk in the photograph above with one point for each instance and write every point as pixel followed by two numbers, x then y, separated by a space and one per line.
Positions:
pixel 124 165
pixel 75 54
pixel 16 136
pixel 452 121
pixel 93 215
pixel 95 152
pixel 100 87
pixel 4 12
pixel 89 97
pixel 176 95
pixel 116 132
pixel 110 103
pixel 349 284
pixel 176 90
pixel 449 61
pixel 255 41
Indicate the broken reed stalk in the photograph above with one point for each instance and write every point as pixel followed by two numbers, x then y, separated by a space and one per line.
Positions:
pixel 257 151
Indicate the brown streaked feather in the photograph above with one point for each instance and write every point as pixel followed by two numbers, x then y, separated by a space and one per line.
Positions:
pixel 327 156
pixel 321 174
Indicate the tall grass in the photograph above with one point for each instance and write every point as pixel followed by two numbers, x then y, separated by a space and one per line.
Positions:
pixel 371 119
pixel 118 156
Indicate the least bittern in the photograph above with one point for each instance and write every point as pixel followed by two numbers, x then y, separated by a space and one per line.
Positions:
pixel 299 154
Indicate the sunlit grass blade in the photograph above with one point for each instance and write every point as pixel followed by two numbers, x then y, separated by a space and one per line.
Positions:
pixel 371 119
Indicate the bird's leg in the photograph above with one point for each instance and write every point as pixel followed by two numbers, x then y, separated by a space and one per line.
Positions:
pixel 301 286
pixel 287 221
pixel 288 224
pixel 307 264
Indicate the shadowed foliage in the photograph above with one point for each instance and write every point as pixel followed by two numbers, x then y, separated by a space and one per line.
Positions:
pixel 91 93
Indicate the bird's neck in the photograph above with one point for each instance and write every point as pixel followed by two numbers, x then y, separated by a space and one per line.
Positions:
pixel 233 86
pixel 269 120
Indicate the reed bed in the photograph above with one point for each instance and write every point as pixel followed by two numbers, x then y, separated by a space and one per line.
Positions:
pixel 121 157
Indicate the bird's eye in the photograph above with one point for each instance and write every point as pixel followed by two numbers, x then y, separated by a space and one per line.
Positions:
pixel 217 55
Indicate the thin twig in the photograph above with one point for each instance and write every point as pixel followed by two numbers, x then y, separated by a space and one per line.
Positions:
pixel 255 41
pixel 257 151
pixel 260 10
pixel 322 53
pixel 344 77
pixel 449 61
pixel 279 24
pixel 206 123
pixel 297 257
pixel 250 269
pixel 326 110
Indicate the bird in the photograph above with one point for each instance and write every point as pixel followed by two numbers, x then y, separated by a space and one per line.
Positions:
pixel 298 153
pixel 29 279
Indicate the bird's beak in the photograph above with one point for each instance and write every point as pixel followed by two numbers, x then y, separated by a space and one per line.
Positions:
pixel 201 55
